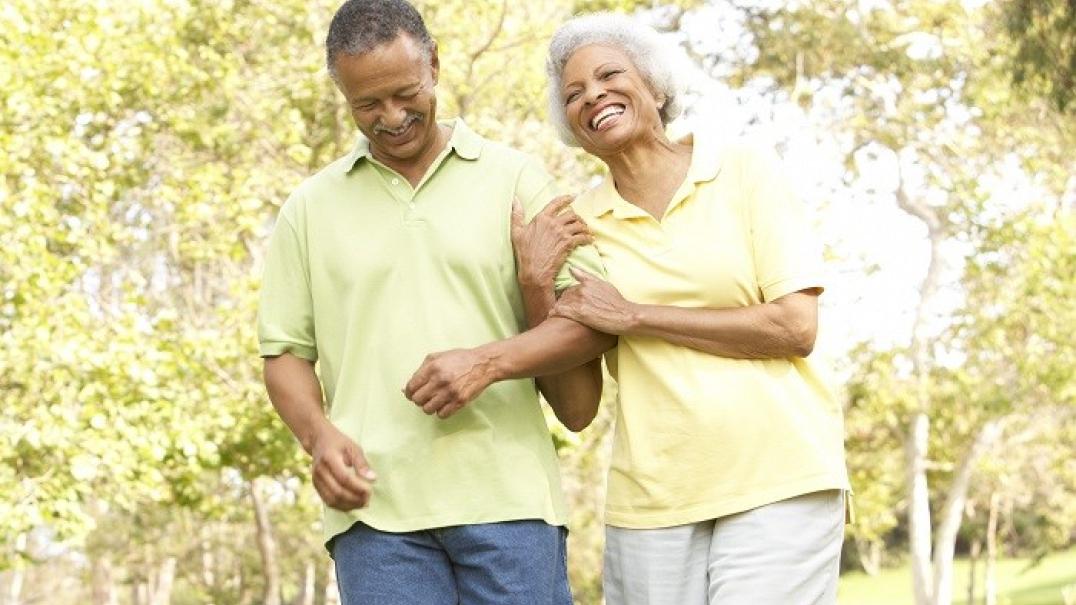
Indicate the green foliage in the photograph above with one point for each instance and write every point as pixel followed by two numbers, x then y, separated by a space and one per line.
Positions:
pixel 134 201
pixel 1043 33
pixel 627 6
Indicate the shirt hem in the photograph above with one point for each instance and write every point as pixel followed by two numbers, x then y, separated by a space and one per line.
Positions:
pixel 782 287
pixel 273 348
pixel 725 506
pixel 427 523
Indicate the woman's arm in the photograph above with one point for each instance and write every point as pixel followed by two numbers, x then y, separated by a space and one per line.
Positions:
pixel 784 327
pixel 541 248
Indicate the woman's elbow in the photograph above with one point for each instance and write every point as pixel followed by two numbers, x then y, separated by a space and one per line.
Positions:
pixel 797 316
pixel 579 417
pixel 801 338
pixel 577 414
pixel 576 425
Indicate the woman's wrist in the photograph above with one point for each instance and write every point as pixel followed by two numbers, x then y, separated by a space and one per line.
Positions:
pixel 636 319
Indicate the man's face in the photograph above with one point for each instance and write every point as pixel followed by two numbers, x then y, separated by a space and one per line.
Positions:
pixel 390 91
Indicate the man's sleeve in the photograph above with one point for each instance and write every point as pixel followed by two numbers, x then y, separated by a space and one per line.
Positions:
pixel 787 255
pixel 535 189
pixel 285 309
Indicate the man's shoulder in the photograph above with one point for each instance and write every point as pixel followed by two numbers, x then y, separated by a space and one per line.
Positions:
pixel 506 155
pixel 493 151
pixel 331 175
pixel 325 182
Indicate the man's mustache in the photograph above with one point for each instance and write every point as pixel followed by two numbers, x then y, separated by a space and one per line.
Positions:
pixel 408 121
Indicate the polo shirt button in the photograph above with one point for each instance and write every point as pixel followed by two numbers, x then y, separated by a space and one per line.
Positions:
pixel 395 181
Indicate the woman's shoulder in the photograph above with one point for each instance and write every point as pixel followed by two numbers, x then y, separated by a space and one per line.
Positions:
pixel 739 157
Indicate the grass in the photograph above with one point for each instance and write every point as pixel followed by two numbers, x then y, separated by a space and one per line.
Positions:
pixel 1017 585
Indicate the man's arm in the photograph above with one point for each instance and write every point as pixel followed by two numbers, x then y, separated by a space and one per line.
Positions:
pixel 340 473
pixel 541 248
pixel 447 381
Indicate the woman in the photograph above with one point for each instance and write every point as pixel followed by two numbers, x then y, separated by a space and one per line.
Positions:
pixel 727 483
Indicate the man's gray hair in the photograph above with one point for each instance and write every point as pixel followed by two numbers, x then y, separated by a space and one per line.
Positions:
pixel 362 25
pixel 642 44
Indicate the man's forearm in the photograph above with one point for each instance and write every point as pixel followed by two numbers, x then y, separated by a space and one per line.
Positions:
pixel 554 346
pixel 296 394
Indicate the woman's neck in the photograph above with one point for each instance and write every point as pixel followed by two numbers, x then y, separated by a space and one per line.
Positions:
pixel 648 172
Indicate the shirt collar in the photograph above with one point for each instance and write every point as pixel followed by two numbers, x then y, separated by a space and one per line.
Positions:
pixel 465 142
pixel 705 166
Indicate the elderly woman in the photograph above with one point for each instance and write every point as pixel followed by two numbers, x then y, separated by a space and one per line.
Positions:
pixel 727 483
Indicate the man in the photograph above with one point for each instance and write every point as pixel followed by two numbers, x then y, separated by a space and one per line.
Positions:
pixel 401 248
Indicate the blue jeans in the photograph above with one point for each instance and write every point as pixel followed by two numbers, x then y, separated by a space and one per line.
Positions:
pixel 509 563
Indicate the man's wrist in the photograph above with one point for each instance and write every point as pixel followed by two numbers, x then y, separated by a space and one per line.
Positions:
pixel 492 362
pixel 316 426
pixel 535 281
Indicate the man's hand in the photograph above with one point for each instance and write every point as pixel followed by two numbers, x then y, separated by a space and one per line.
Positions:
pixel 447 381
pixel 595 303
pixel 341 475
pixel 542 245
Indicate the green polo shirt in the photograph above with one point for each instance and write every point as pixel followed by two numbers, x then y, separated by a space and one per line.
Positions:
pixel 366 276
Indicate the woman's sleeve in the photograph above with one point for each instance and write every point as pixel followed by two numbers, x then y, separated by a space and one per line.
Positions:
pixel 787 255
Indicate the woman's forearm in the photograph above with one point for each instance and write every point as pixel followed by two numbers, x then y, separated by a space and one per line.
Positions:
pixel 783 328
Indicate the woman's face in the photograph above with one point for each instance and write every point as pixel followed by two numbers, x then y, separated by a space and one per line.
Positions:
pixel 607 103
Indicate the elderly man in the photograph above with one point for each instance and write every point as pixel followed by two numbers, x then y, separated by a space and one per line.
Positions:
pixel 400 248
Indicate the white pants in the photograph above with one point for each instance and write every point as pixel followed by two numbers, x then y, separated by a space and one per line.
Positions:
pixel 785 553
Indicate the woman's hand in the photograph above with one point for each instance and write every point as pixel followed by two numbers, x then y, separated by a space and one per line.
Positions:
pixel 597 304
pixel 542 245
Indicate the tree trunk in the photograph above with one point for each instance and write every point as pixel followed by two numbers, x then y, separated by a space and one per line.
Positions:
pixel 209 578
pixel 162 586
pixel 140 593
pixel 103 591
pixel 919 523
pixel 990 586
pixel 266 545
pixel 870 555
pixel 306 596
pixel 14 589
pixel 919 530
pixel 332 591
pixel 973 561
pixel 953 511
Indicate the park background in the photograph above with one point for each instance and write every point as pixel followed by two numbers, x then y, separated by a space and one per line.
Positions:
pixel 146 146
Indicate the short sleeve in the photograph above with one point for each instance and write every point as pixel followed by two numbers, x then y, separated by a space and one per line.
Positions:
pixel 787 255
pixel 535 189
pixel 285 308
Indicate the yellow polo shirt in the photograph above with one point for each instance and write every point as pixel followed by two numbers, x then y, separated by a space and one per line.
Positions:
pixel 367 276
pixel 700 436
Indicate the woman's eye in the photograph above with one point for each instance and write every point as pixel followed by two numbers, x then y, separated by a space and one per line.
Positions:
pixel 572 96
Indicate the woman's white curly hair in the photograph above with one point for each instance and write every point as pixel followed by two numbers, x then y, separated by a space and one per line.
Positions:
pixel 651 55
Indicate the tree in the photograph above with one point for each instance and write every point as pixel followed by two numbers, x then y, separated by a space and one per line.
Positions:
pixel 1043 36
